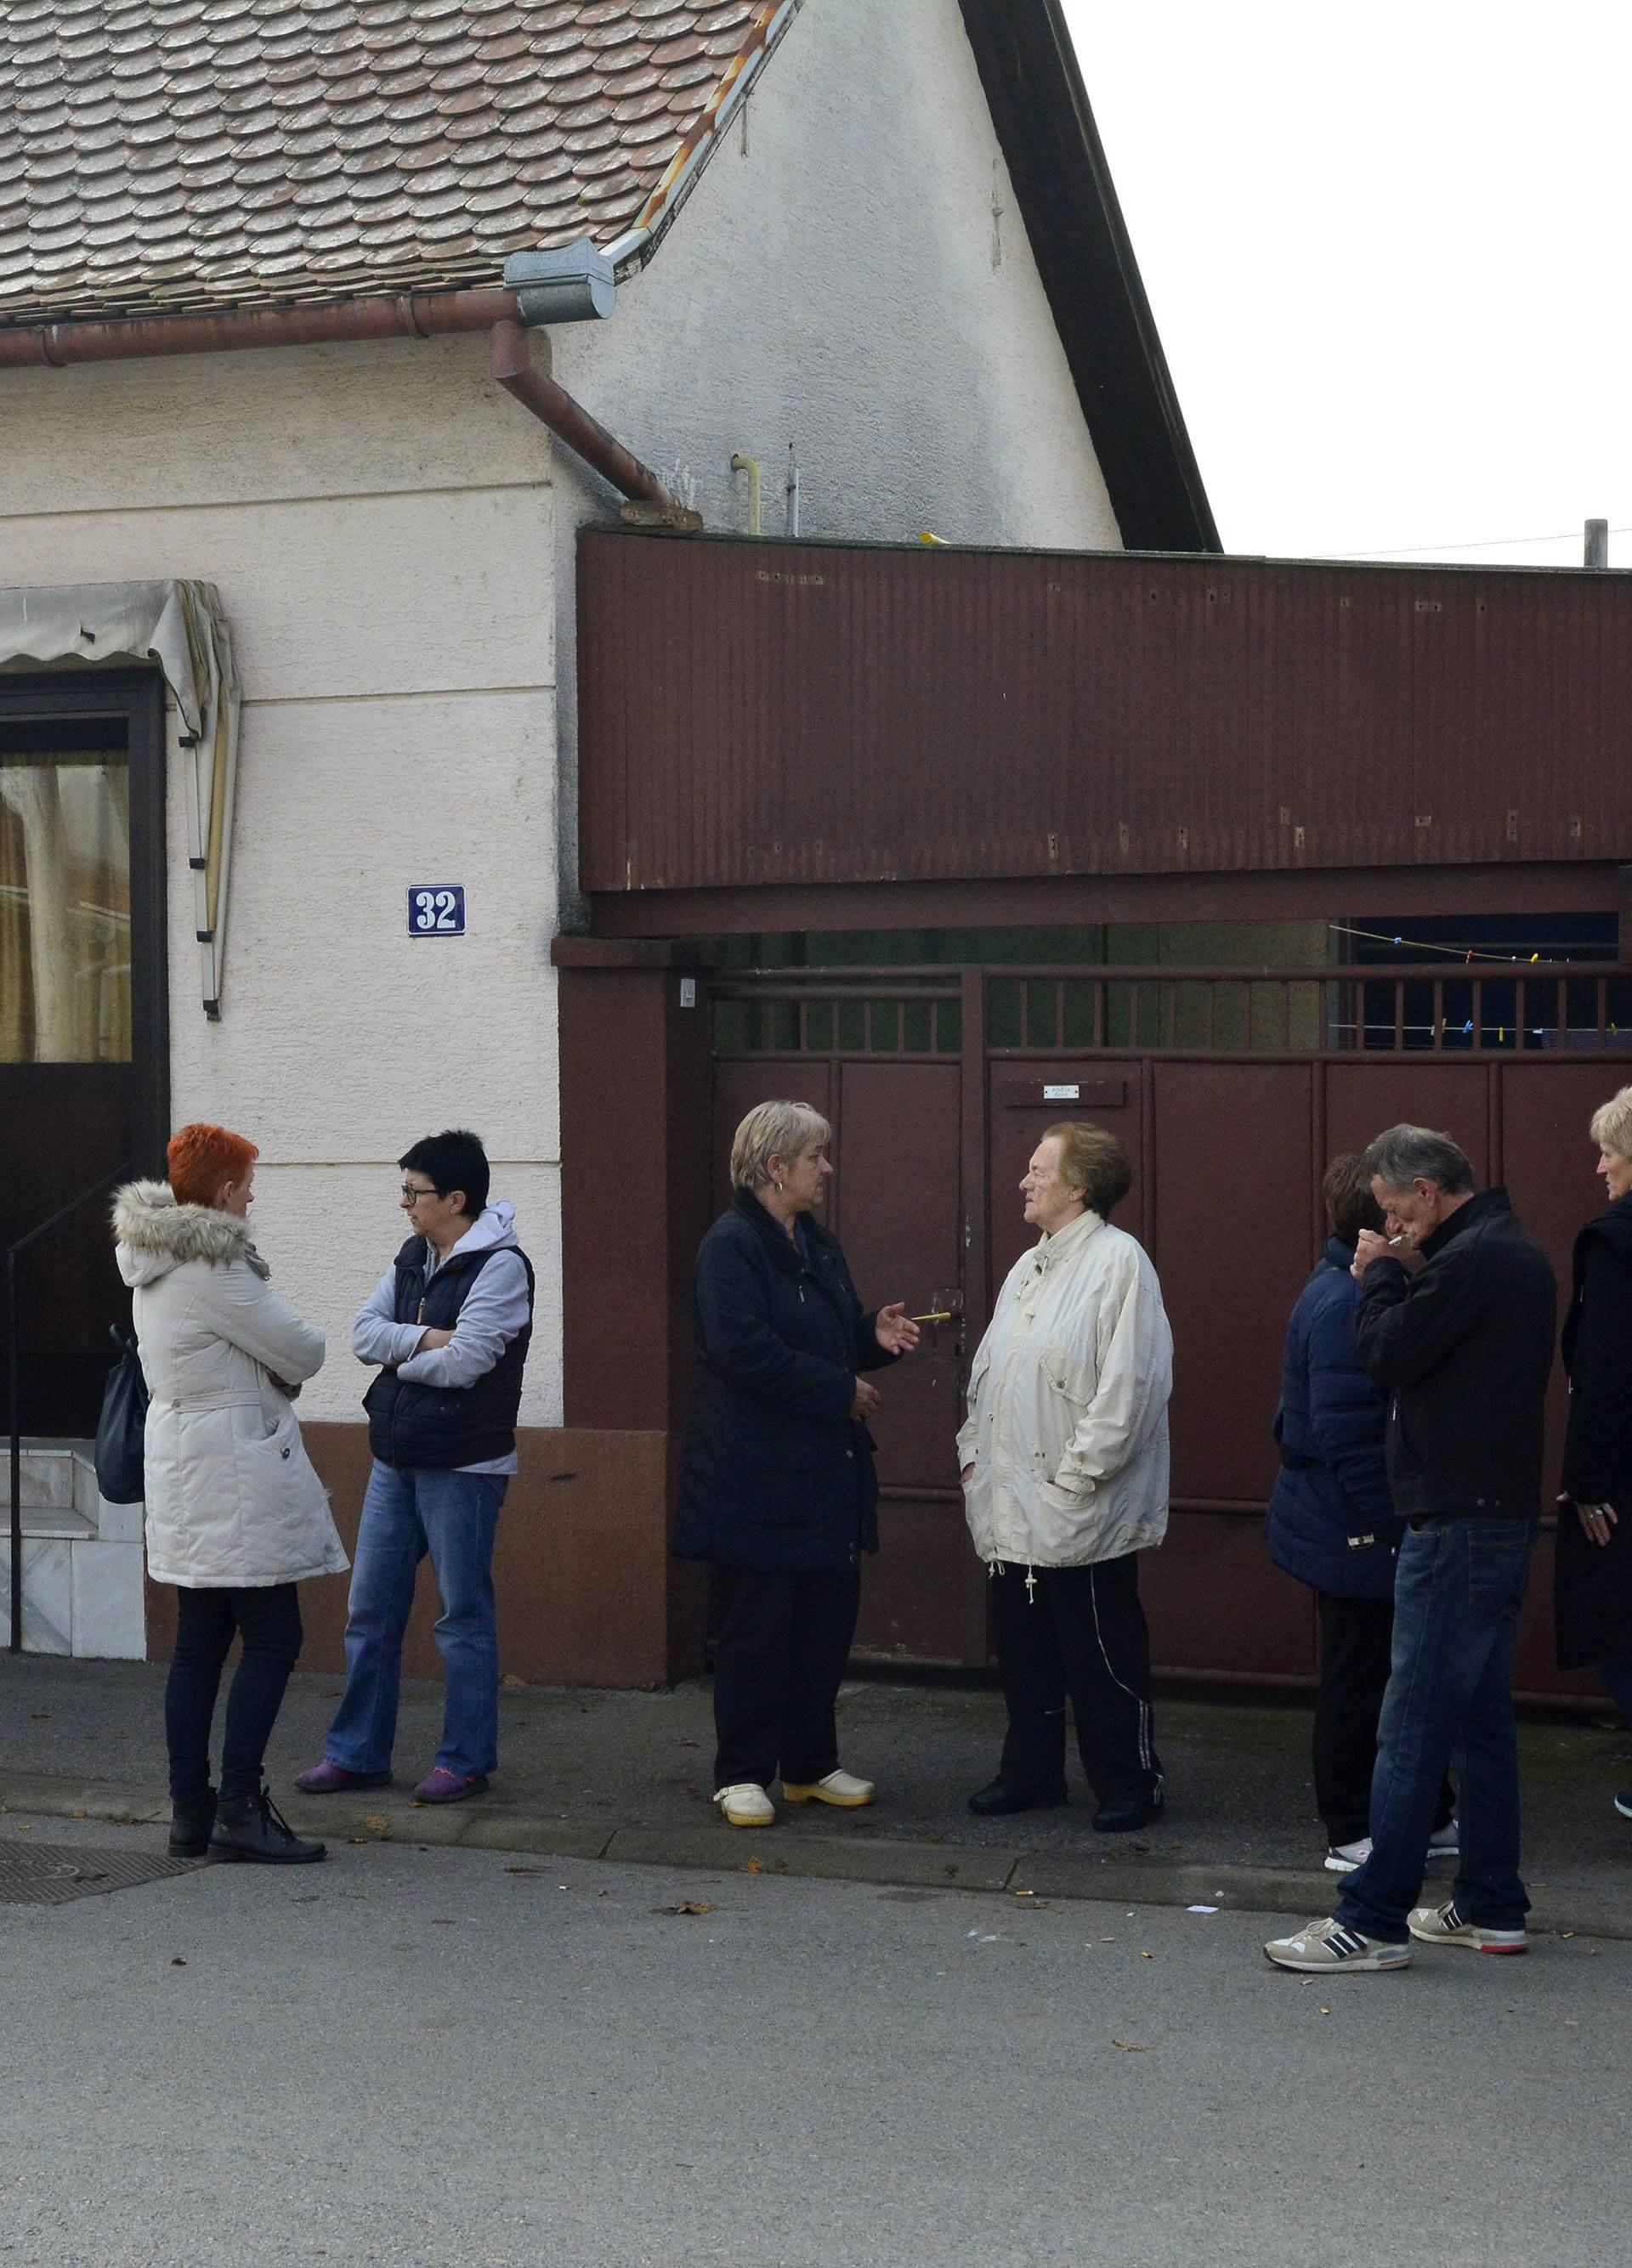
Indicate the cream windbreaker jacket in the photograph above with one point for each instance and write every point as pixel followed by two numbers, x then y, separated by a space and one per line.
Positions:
pixel 232 1501
pixel 1067 1428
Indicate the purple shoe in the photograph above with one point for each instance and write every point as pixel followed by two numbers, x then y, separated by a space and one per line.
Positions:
pixel 444 1786
pixel 334 1779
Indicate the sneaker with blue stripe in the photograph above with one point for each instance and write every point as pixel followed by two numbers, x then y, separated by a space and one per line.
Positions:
pixel 1329 1945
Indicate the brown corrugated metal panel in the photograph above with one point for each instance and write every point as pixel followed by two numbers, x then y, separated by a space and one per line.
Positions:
pixel 759 713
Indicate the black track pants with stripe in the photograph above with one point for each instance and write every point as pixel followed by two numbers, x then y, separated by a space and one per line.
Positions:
pixel 1075 1633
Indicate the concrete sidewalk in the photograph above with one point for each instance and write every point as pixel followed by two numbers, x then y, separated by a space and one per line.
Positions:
pixel 625 1776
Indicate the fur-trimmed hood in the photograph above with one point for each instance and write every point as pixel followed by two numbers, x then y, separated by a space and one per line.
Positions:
pixel 155 1234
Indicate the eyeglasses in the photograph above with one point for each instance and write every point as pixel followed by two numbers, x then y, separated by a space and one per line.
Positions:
pixel 412 1196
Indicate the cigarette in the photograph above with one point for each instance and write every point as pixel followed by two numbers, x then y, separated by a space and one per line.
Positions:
pixel 1395 1240
pixel 938 1315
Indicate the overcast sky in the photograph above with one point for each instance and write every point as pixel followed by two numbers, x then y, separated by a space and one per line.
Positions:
pixel 1386 249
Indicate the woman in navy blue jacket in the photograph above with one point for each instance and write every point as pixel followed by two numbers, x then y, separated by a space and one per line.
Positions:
pixel 1332 1524
pixel 777 1486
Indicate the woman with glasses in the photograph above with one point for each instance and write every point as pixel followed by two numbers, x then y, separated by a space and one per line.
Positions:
pixel 448 1325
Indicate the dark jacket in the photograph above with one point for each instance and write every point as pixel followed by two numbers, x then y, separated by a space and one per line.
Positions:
pixel 1592 1584
pixel 777 1475
pixel 1463 1349
pixel 437 1428
pixel 1332 1523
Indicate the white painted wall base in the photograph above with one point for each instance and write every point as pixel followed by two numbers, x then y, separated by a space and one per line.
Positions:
pixel 82 1561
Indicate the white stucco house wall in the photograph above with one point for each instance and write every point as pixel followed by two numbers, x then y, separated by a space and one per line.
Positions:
pixel 839 277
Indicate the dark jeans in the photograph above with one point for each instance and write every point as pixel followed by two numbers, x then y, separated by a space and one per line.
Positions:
pixel 1458 1592
pixel 1617 1682
pixel 781 1653
pixel 206 1623
pixel 1081 1632
pixel 1356 1644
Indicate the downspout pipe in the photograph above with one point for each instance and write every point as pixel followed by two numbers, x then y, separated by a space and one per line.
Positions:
pixel 569 422
pixel 420 315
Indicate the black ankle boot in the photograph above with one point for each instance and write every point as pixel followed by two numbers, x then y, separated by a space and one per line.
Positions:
pixel 190 1824
pixel 250 1827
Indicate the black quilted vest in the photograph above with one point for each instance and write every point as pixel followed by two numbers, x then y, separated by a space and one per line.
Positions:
pixel 436 1428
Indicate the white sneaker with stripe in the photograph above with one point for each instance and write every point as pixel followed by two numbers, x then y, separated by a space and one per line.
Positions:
pixel 1325 1946
pixel 1444 1925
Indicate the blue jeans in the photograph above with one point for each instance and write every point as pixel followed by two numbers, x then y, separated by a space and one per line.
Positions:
pixel 1458 1592
pixel 452 1516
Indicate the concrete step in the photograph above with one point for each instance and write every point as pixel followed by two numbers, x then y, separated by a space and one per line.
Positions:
pixel 51 1520
pixel 82 1557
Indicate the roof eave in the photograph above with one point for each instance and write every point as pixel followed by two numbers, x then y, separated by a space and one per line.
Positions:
pixel 629 252
pixel 1068 201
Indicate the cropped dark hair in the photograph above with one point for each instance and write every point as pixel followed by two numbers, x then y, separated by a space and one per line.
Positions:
pixel 453 1160
pixel 1350 1205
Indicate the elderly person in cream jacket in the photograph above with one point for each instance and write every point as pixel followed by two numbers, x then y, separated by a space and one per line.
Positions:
pixel 1065 1468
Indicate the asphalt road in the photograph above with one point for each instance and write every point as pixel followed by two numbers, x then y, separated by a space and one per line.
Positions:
pixel 440 2058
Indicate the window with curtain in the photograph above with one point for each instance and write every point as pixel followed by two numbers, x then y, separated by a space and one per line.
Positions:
pixel 65 898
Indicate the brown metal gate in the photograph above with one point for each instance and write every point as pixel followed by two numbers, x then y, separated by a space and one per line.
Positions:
pixel 1231 1089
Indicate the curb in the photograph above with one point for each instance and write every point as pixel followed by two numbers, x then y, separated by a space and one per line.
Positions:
pixel 1582 1910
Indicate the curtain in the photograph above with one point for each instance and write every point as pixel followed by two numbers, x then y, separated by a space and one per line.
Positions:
pixel 64 908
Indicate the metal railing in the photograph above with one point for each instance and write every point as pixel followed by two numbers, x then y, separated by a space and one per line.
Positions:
pixel 1485 1008
pixel 14 1416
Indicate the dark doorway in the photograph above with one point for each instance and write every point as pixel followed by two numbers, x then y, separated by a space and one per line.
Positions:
pixel 84 1034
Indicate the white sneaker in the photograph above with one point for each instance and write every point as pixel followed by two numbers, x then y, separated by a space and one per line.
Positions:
pixel 1327 1945
pixel 1444 1843
pixel 746 1804
pixel 1444 1925
pixel 842 1788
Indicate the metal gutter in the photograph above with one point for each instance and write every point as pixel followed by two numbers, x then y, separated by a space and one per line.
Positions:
pixel 420 315
pixel 629 252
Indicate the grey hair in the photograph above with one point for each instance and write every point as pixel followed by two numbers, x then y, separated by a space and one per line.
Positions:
pixel 773 1130
pixel 1411 1153
pixel 1611 1124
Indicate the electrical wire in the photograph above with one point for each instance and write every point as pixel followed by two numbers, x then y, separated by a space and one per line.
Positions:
pixel 1487 543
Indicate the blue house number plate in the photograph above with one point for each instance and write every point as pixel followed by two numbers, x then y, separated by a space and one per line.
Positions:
pixel 436 910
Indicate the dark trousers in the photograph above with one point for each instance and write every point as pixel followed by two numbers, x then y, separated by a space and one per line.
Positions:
pixel 781 1653
pixel 1078 1632
pixel 206 1623
pixel 1356 1637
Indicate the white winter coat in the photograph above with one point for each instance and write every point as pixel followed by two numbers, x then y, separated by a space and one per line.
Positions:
pixel 1067 1428
pixel 233 1501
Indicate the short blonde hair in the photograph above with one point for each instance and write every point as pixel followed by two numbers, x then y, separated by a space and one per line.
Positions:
pixel 773 1130
pixel 1094 1162
pixel 1612 1124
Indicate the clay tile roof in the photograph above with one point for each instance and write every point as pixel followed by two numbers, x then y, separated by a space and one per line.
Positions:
pixel 167 156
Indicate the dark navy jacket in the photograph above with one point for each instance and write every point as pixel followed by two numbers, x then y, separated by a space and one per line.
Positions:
pixel 438 1428
pixel 1331 1522
pixel 777 1475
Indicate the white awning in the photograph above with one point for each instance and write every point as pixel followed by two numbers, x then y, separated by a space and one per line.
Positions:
pixel 182 627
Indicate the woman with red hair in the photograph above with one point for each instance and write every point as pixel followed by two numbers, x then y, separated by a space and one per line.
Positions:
pixel 235 1514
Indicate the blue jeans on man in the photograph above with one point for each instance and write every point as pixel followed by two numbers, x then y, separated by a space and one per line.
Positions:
pixel 454 1517
pixel 1458 1592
